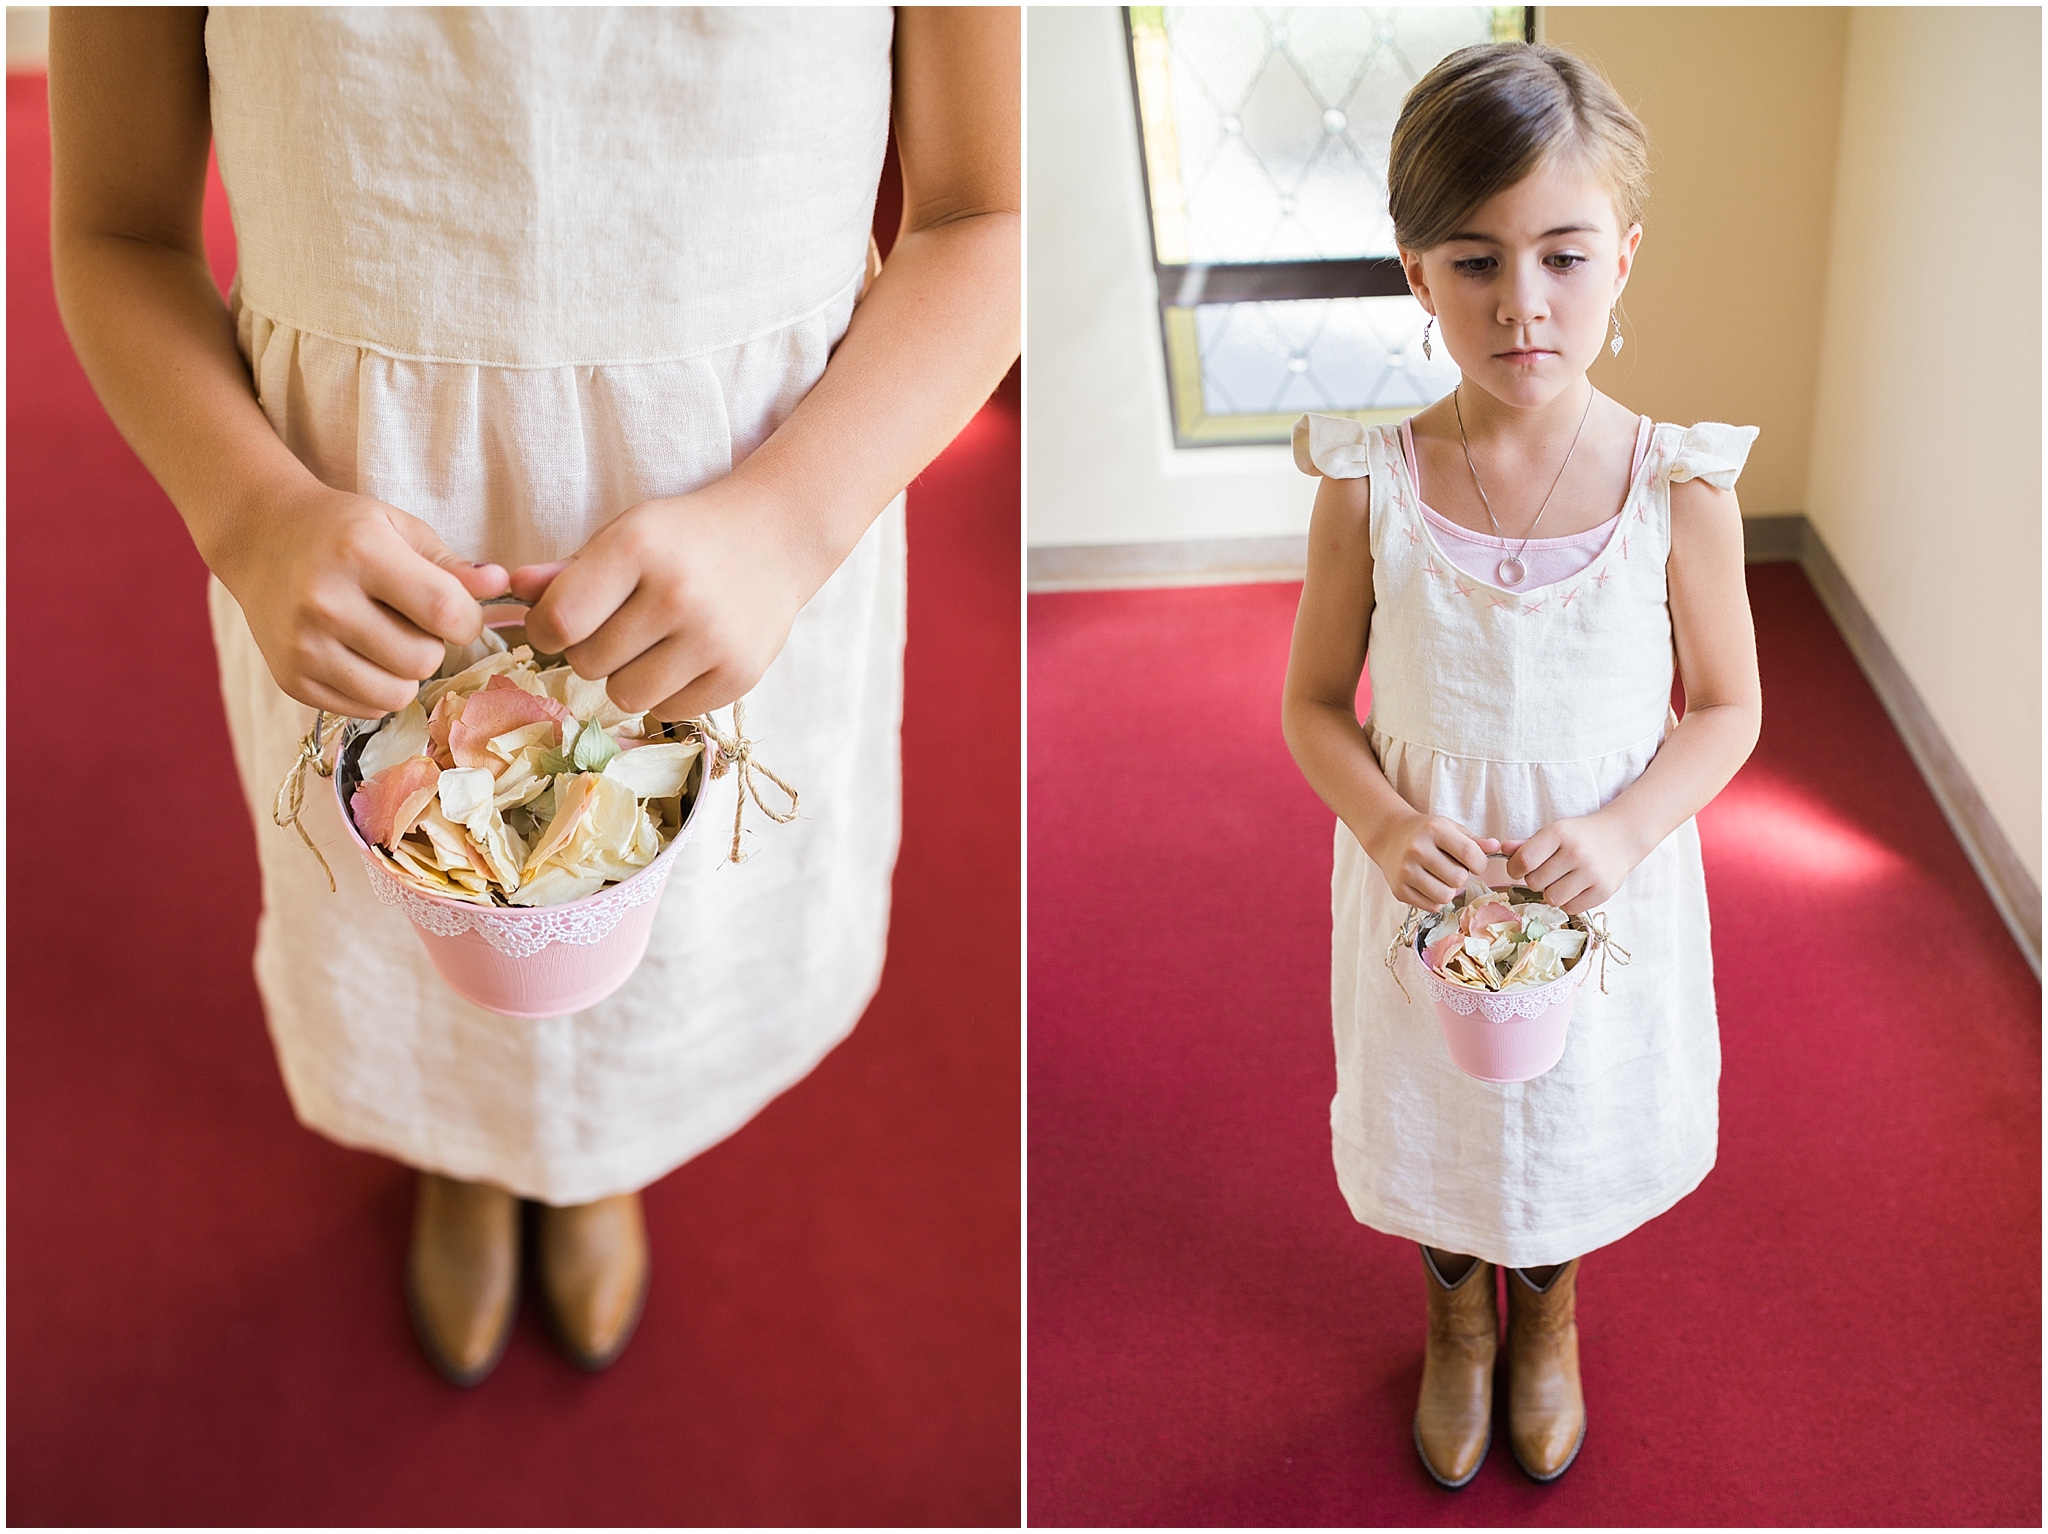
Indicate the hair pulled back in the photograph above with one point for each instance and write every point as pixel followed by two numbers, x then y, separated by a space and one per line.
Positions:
pixel 1489 115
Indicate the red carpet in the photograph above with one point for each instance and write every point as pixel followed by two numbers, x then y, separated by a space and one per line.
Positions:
pixel 204 1316
pixel 1842 1326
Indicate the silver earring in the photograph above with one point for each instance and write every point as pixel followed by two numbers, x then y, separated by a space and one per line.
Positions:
pixel 1427 354
pixel 1614 346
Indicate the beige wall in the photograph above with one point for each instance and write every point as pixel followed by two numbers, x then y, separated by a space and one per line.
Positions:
pixel 1723 313
pixel 1926 476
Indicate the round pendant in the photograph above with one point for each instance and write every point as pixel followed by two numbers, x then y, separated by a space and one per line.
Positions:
pixel 1511 571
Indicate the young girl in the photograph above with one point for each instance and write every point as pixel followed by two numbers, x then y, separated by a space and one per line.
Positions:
pixel 518 287
pixel 1516 567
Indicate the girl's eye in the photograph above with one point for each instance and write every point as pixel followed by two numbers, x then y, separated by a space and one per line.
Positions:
pixel 1565 260
pixel 1473 265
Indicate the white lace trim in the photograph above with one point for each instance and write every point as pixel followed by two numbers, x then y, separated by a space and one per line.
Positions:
pixel 522 932
pixel 1499 1006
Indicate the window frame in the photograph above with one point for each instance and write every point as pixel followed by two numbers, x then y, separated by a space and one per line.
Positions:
pixel 1184 285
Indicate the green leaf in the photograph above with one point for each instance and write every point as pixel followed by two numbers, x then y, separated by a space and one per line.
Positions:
pixel 593 748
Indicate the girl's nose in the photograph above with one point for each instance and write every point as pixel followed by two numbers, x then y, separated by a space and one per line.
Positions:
pixel 1523 303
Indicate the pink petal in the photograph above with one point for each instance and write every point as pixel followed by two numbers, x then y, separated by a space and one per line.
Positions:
pixel 387 806
pixel 1479 917
pixel 500 707
pixel 447 709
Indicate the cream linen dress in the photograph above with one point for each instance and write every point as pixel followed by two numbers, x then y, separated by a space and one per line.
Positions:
pixel 514 271
pixel 1505 711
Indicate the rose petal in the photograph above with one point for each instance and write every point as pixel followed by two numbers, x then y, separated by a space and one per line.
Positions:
pixel 387 806
pixel 584 698
pixel 472 678
pixel 574 798
pixel 544 733
pixel 655 772
pixel 501 707
pixel 556 886
pixel 404 734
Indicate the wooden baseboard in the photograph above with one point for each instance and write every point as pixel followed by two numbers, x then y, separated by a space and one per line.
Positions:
pixel 2012 888
pixel 1774 539
pixel 1193 562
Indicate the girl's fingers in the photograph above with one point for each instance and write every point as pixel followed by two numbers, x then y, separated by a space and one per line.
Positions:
pixel 315 694
pixel 1445 870
pixel 635 632
pixel 530 582
pixel 714 689
pixel 1530 854
pixel 352 685
pixel 579 600
pixel 386 641
pixel 414 574
pixel 671 669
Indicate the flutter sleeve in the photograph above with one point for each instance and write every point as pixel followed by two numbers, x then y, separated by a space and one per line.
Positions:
pixel 1709 451
pixel 1333 446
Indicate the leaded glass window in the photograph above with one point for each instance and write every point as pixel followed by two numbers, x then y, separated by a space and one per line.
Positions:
pixel 1265 133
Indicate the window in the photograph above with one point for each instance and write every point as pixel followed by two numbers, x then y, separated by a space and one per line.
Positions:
pixel 1264 135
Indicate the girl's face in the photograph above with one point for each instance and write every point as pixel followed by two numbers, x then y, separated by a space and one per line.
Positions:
pixel 1522 290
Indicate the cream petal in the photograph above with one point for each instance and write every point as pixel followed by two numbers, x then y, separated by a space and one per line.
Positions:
pixel 655 772
pixel 556 886
pixel 472 678
pixel 574 799
pixel 543 733
pixel 463 789
pixel 404 734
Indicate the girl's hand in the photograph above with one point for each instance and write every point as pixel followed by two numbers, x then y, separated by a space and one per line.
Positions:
pixel 1427 857
pixel 350 600
pixel 1576 864
pixel 681 603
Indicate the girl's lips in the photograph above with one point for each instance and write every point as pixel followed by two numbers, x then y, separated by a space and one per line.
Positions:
pixel 1533 355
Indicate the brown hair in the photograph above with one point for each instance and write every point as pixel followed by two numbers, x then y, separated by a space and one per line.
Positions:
pixel 1490 114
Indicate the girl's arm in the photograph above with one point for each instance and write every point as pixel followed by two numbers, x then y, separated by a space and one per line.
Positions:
pixel 1579 863
pixel 1425 857
pixel 683 602
pixel 348 599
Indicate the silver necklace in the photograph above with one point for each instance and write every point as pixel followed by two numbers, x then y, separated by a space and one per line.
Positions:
pixel 1511 570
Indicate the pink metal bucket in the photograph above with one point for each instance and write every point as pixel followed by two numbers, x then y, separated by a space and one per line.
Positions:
pixel 532 961
pixel 525 961
pixel 1503 1036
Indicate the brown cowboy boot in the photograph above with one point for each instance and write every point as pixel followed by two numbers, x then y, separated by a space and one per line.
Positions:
pixel 1454 1419
pixel 1546 1407
pixel 593 1270
pixel 462 1274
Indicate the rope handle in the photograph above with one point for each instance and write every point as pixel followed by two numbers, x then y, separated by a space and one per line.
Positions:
pixel 290 799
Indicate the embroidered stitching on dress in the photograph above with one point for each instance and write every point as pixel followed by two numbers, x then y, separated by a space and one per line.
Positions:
pixel 1497 602
pixel 1463 589
pixel 1413 538
pixel 1566 599
pixel 1432 569
pixel 1532 607
pixel 1600 580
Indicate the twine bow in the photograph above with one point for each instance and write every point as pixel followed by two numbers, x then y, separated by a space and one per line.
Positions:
pixel 1596 923
pixel 736 753
pixel 291 793
pixel 1401 940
